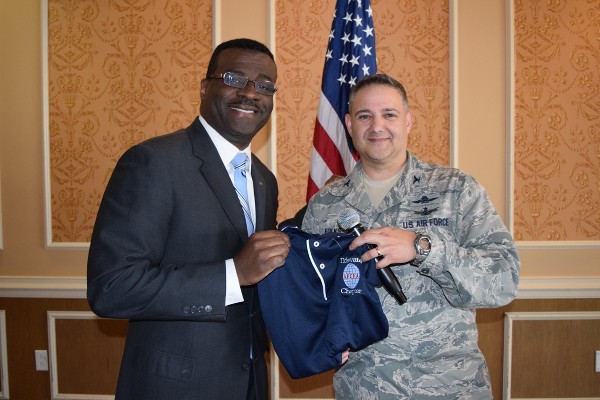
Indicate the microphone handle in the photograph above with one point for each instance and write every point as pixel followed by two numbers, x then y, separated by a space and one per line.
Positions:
pixel 391 284
pixel 386 275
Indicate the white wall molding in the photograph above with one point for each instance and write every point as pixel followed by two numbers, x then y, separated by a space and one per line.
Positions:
pixel 510 117
pixel 559 288
pixel 43 287
pixel 4 393
pixel 50 243
pixel 75 287
pixel 454 100
pixel 509 321
pixel 558 245
pixel 510 123
pixel 53 356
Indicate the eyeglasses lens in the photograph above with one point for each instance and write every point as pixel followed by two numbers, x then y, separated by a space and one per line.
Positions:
pixel 240 82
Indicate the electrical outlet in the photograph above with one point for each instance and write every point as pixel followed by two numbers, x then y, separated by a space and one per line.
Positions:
pixel 41 360
pixel 598 361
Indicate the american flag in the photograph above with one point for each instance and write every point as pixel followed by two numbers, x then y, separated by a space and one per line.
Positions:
pixel 350 56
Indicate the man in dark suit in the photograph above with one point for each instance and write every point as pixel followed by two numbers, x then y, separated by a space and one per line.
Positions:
pixel 171 249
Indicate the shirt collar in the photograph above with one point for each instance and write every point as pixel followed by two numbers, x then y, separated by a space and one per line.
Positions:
pixel 227 151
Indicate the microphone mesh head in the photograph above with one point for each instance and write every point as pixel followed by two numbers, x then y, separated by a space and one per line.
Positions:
pixel 348 218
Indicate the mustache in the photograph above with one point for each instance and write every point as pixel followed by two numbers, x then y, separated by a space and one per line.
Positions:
pixel 245 102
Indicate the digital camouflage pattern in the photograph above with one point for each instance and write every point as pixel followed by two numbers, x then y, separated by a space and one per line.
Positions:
pixel 431 351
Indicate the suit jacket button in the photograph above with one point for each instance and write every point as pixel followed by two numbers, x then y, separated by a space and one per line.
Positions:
pixel 245 366
pixel 186 310
pixel 194 309
pixel 208 308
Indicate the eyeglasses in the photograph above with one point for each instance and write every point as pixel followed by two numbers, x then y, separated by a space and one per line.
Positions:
pixel 240 81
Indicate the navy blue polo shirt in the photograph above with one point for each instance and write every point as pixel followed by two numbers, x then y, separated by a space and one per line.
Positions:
pixel 321 303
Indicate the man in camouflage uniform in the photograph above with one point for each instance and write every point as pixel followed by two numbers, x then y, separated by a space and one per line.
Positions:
pixel 466 260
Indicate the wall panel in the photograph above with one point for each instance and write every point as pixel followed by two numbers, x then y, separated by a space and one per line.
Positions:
pixel 553 66
pixel 82 345
pixel 115 74
pixel 80 338
pixel 544 350
pixel 556 121
pixel 4 386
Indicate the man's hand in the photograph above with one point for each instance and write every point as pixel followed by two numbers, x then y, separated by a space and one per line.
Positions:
pixel 263 252
pixel 395 245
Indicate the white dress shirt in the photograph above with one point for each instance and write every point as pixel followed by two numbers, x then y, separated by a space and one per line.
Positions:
pixel 227 152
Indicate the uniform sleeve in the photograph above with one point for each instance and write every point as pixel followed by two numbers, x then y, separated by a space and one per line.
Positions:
pixel 476 265
pixel 128 276
pixel 308 224
pixel 316 216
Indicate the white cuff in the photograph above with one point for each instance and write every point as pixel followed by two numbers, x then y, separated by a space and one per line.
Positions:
pixel 233 291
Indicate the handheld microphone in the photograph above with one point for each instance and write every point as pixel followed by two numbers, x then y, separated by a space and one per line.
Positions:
pixel 349 221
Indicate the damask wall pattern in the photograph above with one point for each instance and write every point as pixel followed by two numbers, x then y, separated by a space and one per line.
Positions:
pixel 119 71
pixel 412 44
pixel 557 120
pixel 122 71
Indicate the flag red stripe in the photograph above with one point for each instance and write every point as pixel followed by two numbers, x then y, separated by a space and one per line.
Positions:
pixel 328 151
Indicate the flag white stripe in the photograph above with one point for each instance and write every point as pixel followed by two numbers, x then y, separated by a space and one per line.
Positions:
pixel 319 171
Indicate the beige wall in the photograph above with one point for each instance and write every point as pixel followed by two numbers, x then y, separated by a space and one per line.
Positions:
pixel 479 97
pixel 479 103
pixel 21 154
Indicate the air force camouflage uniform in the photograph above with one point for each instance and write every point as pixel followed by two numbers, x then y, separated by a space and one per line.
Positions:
pixel 431 351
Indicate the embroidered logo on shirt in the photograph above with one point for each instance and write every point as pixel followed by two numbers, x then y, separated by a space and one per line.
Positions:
pixel 424 200
pixel 351 276
pixel 426 211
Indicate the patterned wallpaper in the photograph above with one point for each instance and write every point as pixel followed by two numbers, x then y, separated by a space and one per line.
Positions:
pixel 557 120
pixel 412 46
pixel 119 72
pixel 122 71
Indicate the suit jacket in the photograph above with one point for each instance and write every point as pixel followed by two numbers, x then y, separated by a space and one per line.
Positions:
pixel 168 220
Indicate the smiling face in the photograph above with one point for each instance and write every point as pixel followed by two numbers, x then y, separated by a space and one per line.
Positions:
pixel 379 124
pixel 238 114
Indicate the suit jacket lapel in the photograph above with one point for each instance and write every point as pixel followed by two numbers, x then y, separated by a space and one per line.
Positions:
pixel 217 177
pixel 260 196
